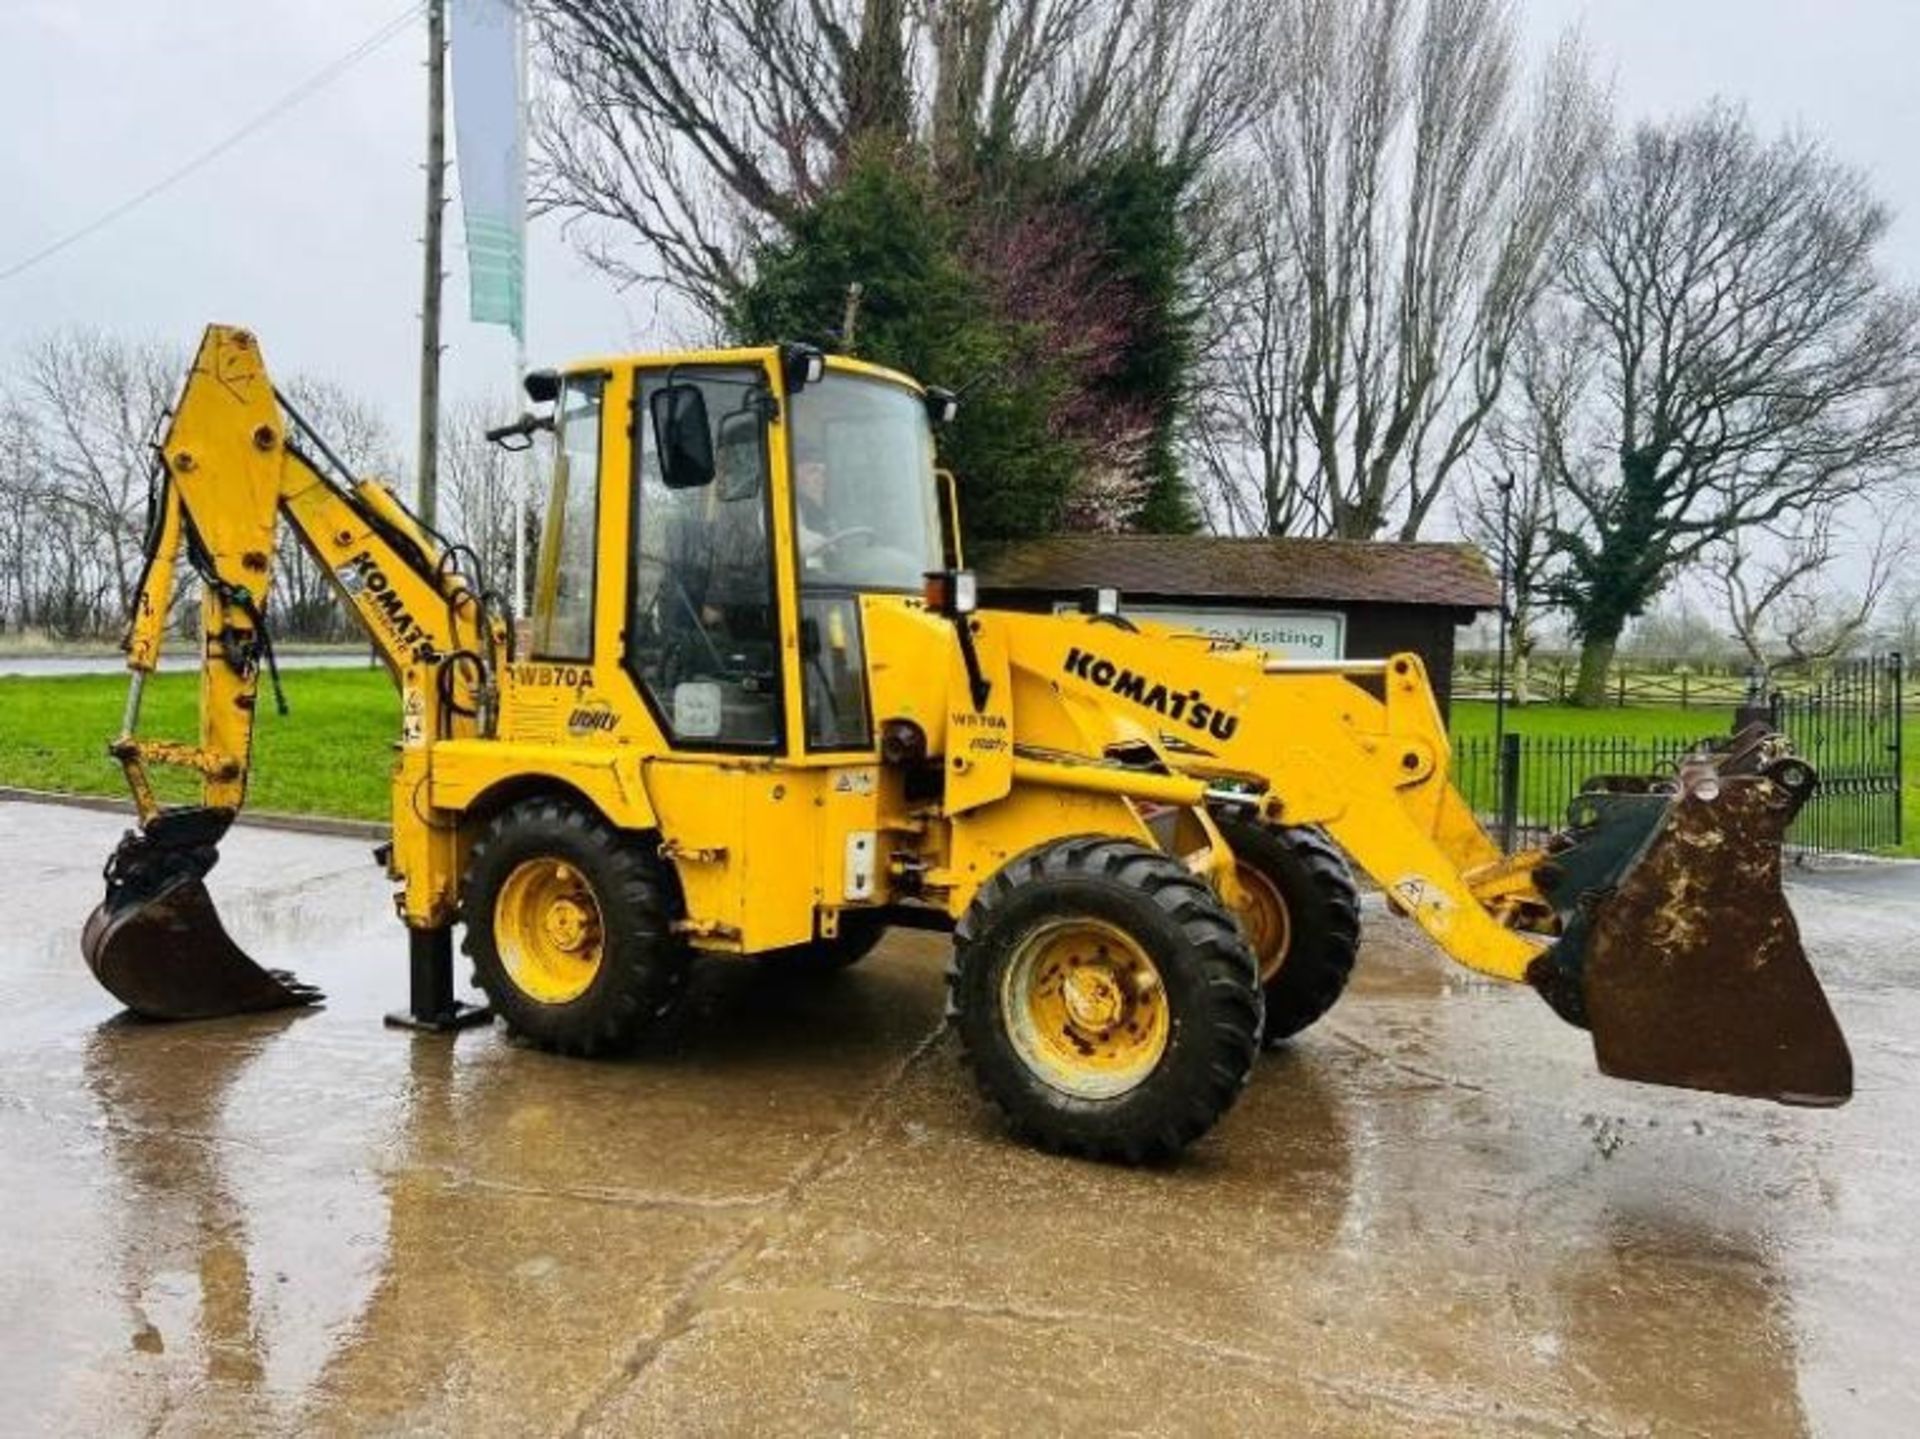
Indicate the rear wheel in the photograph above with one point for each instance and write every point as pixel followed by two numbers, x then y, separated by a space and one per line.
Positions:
pixel 570 928
pixel 1301 914
pixel 1106 1002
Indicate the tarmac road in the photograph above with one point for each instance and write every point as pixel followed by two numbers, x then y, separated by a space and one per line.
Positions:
pixel 46 666
pixel 1428 1216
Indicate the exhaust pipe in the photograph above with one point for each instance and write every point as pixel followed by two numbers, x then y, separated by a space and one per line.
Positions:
pixel 156 942
pixel 1678 950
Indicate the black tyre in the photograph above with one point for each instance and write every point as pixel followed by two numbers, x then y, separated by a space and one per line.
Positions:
pixel 1302 920
pixel 859 933
pixel 1106 1002
pixel 570 928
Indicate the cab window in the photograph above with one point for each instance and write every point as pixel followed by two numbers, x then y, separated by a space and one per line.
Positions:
pixel 866 517
pixel 703 632
pixel 564 576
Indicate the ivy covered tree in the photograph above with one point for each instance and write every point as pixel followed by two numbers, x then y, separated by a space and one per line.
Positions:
pixel 1752 364
pixel 1139 204
pixel 1053 305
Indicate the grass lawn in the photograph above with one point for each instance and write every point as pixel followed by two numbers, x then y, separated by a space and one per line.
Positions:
pixel 1475 717
pixel 331 755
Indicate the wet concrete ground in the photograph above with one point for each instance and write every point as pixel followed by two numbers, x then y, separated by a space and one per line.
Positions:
pixel 1429 1216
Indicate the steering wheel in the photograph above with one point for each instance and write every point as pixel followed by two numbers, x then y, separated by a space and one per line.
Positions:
pixel 840 537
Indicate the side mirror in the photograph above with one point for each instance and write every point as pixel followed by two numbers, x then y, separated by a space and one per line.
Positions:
pixel 682 437
pixel 742 457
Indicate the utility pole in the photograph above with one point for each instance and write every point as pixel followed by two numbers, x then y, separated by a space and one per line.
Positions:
pixel 1505 486
pixel 428 461
pixel 522 464
pixel 1506 756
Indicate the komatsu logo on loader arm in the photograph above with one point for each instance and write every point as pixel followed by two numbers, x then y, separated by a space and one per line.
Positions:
pixel 363 579
pixel 1186 705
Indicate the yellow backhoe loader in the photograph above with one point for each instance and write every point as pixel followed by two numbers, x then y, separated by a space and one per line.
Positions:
pixel 757 712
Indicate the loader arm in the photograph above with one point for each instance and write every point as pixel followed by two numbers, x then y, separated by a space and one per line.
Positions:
pixel 1357 748
pixel 1656 919
pixel 235 462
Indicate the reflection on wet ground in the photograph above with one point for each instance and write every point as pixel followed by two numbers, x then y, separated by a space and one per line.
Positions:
pixel 794 1216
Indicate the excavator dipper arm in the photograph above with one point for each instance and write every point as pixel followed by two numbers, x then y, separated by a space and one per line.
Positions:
pixel 236 460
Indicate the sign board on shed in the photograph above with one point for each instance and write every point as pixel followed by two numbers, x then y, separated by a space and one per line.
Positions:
pixel 1283 634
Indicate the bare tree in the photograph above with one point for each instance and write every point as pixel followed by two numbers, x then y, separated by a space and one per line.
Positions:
pixel 1531 448
pixel 1677 627
pixel 478 482
pixel 79 415
pixel 304 603
pixel 674 135
pixel 20 500
pixel 1783 602
pixel 1419 198
pixel 1243 433
pixel 1754 365
pixel 86 406
pixel 1899 627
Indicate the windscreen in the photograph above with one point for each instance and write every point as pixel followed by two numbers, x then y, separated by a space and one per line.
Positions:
pixel 866 510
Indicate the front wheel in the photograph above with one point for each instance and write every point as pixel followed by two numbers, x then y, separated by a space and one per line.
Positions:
pixel 1106 1003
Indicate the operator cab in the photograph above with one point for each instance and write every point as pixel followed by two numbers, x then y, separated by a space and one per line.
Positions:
pixel 766 491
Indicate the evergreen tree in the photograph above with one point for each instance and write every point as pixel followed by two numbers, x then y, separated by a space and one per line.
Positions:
pixel 1055 306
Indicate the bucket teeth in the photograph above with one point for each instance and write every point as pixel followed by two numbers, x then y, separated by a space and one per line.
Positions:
pixel 1678 950
pixel 156 942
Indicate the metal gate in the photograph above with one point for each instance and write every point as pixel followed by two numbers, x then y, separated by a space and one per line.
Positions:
pixel 1847 724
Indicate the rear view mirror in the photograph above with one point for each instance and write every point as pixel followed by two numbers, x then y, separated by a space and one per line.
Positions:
pixel 682 437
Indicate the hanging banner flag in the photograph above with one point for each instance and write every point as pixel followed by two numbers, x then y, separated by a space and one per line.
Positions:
pixel 490 139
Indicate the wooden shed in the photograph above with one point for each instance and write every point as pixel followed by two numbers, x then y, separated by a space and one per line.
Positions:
pixel 1298 598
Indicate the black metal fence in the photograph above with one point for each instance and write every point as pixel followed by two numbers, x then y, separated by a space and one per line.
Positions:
pixel 1521 784
pixel 1847 725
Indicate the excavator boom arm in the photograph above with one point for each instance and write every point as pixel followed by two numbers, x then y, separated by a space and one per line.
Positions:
pixel 236 460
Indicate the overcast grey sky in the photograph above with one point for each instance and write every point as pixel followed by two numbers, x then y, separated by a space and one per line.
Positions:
pixel 308 231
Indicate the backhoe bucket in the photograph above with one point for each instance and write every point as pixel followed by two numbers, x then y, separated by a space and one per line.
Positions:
pixel 156 942
pixel 1678 950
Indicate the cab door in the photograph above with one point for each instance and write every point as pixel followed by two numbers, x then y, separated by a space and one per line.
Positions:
pixel 708 644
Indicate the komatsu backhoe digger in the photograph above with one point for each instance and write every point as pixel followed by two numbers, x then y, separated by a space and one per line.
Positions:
pixel 758 713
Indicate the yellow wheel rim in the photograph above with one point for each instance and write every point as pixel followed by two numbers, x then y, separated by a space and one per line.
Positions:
pixel 1263 914
pixel 1085 1008
pixel 548 930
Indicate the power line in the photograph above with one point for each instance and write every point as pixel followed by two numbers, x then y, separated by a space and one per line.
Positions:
pixel 313 83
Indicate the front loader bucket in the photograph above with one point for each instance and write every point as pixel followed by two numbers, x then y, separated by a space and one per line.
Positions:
pixel 1678 950
pixel 156 943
